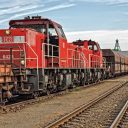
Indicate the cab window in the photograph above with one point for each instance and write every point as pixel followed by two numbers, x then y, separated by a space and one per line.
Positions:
pixel 52 31
pixel 90 47
pixel 61 32
pixel 19 39
pixel 95 48
pixel 0 40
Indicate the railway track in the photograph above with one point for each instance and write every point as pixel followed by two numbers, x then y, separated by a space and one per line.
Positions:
pixel 75 118
pixel 13 107
pixel 20 105
pixel 121 120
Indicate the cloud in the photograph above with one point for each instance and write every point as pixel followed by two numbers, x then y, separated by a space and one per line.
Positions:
pixel 102 1
pixel 18 9
pixel 106 38
pixel 57 7
pixel 49 1
pixel 13 3
pixel 107 2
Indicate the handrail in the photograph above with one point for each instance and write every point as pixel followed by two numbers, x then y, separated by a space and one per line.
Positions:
pixel 36 56
pixel 97 60
pixel 20 50
pixel 52 56
pixel 75 59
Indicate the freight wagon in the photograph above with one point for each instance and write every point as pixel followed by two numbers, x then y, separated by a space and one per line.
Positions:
pixel 117 62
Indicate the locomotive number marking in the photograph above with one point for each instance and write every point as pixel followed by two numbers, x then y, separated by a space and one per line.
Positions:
pixel 7 56
pixel 8 39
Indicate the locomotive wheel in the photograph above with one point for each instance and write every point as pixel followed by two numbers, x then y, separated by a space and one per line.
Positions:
pixel 35 95
pixel 82 82
pixel 47 92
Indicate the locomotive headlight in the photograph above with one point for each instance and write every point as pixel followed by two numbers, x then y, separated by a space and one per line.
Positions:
pixel 22 62
pixel 7 32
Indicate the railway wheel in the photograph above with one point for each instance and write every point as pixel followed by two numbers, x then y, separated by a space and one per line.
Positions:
pixel 47 92
pixel 35 95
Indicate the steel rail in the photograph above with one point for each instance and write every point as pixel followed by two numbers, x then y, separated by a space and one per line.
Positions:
pixel 19 105
pixel 79 110
pixel 16 106
pixel 119 117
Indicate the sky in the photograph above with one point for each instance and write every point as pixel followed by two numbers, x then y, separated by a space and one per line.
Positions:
pixel 103 21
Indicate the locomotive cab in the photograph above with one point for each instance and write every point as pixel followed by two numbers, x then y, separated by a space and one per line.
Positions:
pixel 96 59
pixel 93 46
pixel 55 40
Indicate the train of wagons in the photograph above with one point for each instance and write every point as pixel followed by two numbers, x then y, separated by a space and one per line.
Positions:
pixel 35 58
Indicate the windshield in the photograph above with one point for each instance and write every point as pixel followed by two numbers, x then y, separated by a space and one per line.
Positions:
pixel 61 32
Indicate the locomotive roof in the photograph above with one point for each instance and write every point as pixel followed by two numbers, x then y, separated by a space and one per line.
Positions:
pixel 35 20
pixel 124 52
pixel 111 52
pixel 81 42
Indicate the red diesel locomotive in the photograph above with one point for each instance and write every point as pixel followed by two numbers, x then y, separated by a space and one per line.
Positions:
pixel 36 58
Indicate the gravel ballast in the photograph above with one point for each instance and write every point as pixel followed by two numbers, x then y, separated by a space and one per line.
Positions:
pixel 102 114
pixel 40 114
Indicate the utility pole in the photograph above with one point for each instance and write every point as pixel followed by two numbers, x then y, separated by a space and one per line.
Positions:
pixel 117 46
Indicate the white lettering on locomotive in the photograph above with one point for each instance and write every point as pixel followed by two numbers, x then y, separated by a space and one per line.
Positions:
pixel 7 56
pixel 7 39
